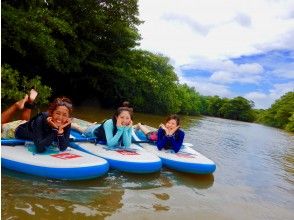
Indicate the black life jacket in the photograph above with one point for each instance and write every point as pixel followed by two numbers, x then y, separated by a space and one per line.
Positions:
pixel 100 132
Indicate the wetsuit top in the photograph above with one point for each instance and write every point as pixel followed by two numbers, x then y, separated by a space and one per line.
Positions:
pixel 174 141
pixel 42 134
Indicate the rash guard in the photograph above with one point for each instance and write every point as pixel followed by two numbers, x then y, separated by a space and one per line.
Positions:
pixel 174 141
pixel 123 136
pixel 42 134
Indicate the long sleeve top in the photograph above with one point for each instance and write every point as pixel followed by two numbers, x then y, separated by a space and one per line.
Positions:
pixel 42 134
pixel 123 133
pixel 174 142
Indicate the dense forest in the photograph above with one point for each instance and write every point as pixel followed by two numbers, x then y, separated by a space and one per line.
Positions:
pixel 88 50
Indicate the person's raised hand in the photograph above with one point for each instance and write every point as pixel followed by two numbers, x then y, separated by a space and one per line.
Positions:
pixel 172 131
pixel 66 123
pixel 51 123
pixel 119 122
pixel 61 127
pixel 130 124
pixel 164 128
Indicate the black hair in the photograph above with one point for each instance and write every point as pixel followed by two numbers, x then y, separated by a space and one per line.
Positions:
pixel 124 107
pixel 175 117
pixel 60 101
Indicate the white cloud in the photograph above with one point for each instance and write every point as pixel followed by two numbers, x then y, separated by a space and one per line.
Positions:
pixel 209 88
pixel 207 34
pixel 281 89
pixel 243 20
pixel 285 71
pixel 243 73
pixel 232 77
pixel 227 28
pixel 182 19
pixel 224 65
pixel 265 100
pixel 203 86
pixel 261 100
pixel 226 71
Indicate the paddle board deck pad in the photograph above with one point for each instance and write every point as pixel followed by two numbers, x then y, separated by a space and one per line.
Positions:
pixel 133 159
pixel 70 164
pixel 186 160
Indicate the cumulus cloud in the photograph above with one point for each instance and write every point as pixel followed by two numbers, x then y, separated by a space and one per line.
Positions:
pixel 228 29
pixel 285 71
pixel 243 73
pixel 226 71
pixel 224 65
pixel 194 25
pixel 211 35
pixel 280 89
pixel 265 100
pixel 209 88
pixel 232 77
pixel 261 100
pixel 243 19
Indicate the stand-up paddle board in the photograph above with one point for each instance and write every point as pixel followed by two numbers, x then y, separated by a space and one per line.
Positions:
pixel 186 160
pixel 133 159
pixel 70 164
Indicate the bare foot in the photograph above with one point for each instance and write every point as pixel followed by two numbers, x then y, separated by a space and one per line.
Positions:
pixel 137 126
pixel 20 104
pixel 32 96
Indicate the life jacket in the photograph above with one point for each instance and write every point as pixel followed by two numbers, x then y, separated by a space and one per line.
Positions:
pixel 100 132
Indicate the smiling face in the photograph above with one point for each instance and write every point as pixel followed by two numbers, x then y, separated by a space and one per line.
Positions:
pixel 171 124
pixel 124 117
pixel 60 115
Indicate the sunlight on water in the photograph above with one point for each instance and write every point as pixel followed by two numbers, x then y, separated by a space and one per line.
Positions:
pixel 254 179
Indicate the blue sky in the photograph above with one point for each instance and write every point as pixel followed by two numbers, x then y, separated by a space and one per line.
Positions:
pixel 225 48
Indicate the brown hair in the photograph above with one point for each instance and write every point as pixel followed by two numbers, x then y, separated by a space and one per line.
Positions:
pixel 60 101
pixel 124 107
pixel 175 117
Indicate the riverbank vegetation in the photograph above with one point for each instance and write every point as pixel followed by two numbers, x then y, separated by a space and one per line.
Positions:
pixel 280 114
pixel 88 50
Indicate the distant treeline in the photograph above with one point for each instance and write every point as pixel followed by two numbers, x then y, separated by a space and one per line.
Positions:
pixel 87 50
pixel 280 114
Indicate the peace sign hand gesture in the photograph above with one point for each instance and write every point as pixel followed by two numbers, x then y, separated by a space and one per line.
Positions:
pixel 61 127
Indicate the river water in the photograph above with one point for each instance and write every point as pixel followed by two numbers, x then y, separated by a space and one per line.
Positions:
pixel 254 179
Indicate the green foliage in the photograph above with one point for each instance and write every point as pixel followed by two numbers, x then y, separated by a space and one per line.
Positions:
pixel 290 125
pixel 148 81
pixel 58 38
pixel 85 49
pixel 214 105
pixel 190 100
pixel 238 108
pixel 280 114
pixel 29 35
pixel 14 86
pixel 10 84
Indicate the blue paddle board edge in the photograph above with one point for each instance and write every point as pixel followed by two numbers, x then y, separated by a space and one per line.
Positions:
pixel 78 173
pixel 189 167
